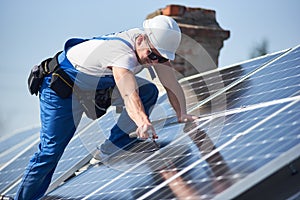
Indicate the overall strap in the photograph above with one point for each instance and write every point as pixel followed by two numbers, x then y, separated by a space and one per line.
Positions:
pixel 74 41
pixel 114 38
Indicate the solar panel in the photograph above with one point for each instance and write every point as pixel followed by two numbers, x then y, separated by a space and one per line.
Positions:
pixel 12 172
pixel 209 174
pixel 290 65
pixel 201 86
pixel 80 150
pixel 17 150
pixel 11 145
pixel 220 87
pixel 127 181
pixel 269 147
pixel 246 146
pixel 249 129
pixel 248 88
pixel 88 140
pixel 278 80
pixel 78 153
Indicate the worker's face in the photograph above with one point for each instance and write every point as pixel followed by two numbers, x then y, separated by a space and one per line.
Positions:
pixel 148 55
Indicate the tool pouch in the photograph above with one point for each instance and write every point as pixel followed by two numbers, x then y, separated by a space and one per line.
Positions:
pixel 96 103
pixel 36 77
pixel 38 72
pixel 61 83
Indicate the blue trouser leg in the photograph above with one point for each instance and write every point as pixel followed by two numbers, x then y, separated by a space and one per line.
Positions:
pixel 59 118
pixel 148 93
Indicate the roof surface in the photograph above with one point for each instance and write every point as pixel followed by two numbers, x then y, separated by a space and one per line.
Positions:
pixel 248 129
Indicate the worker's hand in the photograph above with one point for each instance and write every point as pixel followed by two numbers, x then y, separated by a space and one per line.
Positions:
pixel 145 131
pixel 187 118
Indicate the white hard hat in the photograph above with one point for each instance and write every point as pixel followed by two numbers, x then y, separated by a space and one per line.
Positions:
pixel 164 34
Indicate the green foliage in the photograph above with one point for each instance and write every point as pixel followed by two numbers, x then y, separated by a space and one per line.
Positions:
pixel 260 49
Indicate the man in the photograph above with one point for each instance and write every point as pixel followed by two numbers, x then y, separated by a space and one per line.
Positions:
pixel 113 60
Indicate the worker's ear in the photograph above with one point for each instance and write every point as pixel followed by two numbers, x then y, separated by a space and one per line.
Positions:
pixel 140 39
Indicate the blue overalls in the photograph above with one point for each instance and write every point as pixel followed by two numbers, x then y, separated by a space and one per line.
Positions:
pixel 59 119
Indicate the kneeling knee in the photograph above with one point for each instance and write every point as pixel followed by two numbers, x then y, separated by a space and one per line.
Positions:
pixel 150 91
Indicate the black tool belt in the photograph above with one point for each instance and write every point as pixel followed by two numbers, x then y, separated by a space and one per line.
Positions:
pixel 94 103
pixel 38 72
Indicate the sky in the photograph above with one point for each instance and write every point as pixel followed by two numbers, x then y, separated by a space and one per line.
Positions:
pixel 33 30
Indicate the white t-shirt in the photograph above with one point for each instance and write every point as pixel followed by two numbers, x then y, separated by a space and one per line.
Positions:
pixel 94 56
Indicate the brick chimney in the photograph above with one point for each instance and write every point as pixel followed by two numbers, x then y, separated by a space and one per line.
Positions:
pixel 201 26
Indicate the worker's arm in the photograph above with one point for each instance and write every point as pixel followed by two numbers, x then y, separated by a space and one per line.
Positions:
pixel 174 91
pixel 126 83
